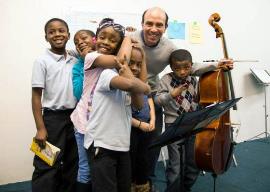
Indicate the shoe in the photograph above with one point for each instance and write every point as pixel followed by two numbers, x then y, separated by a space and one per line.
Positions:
pixel 143 187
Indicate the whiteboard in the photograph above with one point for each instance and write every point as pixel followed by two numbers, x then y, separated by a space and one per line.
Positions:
pixel 78 19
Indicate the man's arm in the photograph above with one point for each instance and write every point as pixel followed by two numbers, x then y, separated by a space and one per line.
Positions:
pixel 41 135
pixel 201 68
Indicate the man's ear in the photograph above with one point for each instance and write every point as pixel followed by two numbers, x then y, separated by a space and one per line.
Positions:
pixel 68 35
pixel 46 38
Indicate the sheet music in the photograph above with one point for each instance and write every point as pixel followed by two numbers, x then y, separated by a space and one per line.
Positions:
pixel 261 75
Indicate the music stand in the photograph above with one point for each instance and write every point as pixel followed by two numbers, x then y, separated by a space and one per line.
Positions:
pixel 191 123
pixel 263 78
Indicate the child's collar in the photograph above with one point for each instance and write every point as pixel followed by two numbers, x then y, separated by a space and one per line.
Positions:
pixel 57 57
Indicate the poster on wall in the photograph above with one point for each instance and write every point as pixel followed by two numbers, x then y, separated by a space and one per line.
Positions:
pixel 195 33
pixel 176 30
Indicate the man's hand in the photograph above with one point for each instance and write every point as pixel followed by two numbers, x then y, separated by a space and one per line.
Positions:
pixel 225 64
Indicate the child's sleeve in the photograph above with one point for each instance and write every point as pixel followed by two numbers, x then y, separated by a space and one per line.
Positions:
pixel 38 74
pixel 105 79
pixel 89 59
pixel 163 96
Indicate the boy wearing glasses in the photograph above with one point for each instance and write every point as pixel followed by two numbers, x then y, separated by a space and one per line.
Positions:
pixel 177 94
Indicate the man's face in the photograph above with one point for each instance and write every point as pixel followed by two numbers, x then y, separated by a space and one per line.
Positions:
pixel 153 26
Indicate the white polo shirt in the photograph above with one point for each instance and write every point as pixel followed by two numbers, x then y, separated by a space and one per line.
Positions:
pixel 53 73
pixel 109 123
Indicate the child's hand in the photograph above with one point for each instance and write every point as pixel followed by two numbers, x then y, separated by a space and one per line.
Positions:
pixel 146 127
pixel 84 52
pixel 130 29
pixel 178 90
pixel 124 69
pixel 152 125
pixel 41 137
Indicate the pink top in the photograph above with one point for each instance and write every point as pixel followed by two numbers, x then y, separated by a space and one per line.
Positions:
pixel 79 117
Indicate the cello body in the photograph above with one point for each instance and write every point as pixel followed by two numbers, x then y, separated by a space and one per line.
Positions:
pixel 213 145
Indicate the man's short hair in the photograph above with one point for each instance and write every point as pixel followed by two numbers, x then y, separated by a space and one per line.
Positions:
pixel 166 19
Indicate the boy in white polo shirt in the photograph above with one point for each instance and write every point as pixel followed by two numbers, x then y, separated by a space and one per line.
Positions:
pixel 52 94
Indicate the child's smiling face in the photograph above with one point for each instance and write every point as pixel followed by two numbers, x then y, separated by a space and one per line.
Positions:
pixel 57 35
pixel 82 41
pixel 108 41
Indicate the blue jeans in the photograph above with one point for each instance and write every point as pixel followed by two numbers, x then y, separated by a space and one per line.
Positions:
pixel 84 169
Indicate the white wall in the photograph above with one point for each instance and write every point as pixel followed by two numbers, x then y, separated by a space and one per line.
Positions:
pixel 244 22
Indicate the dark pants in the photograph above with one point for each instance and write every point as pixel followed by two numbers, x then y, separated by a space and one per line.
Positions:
pixel 61 177
pixel 190 170
pixel 139 143
pixel 110 170
pixel 154 153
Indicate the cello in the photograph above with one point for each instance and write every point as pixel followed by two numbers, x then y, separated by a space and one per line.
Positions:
pixel 214 145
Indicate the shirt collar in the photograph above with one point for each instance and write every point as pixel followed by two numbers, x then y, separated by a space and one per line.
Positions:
pixel 57 57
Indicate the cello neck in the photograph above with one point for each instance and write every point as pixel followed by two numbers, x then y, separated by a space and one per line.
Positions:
pixel 214 18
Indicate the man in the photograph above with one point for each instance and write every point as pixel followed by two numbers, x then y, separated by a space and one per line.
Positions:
pixel 158 50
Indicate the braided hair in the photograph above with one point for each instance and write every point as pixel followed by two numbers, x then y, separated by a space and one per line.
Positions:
pixel 108 22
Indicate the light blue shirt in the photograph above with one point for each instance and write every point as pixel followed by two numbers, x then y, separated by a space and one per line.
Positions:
pixel 77 78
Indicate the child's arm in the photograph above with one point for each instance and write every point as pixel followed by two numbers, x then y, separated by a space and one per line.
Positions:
pixel 41 135
pixel 140 125
pixel 108 61
pixel 152 114
pixel 127 82
pixel 143 125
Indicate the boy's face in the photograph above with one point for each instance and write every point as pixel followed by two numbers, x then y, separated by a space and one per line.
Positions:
pixel 57 35
pixel 108 41
pixel 135 62
pixel 83 41
pixel 181 69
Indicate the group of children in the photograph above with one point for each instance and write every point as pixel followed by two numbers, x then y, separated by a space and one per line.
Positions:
pixel 97 108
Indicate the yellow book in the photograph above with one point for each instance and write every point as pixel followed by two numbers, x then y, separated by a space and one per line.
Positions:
pixel 48 154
